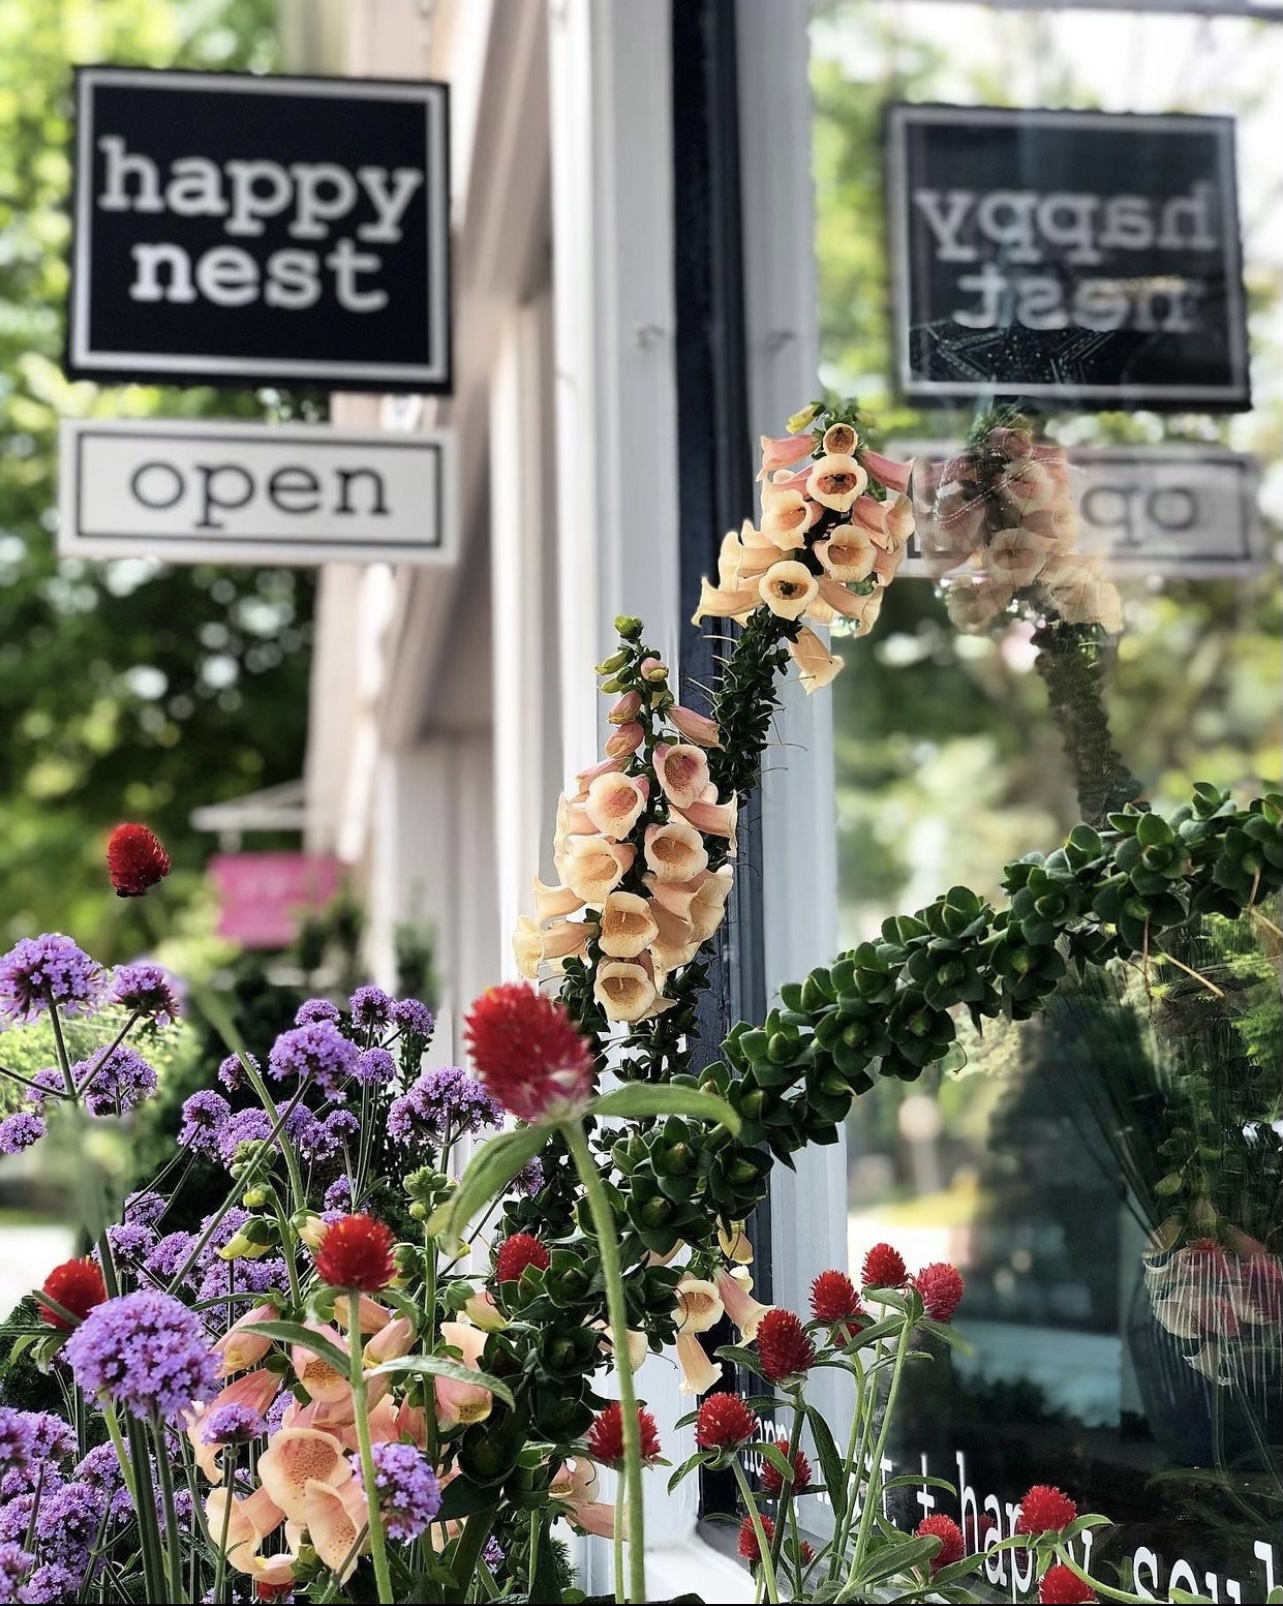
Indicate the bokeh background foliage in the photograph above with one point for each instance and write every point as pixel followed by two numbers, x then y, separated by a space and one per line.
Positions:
pixel 127 690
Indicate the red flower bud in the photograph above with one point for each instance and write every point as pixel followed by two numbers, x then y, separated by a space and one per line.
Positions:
pixel 135 860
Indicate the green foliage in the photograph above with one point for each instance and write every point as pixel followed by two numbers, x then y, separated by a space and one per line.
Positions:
pixel 126 690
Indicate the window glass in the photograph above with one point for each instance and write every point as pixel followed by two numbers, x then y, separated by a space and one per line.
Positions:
pixel 1108 1175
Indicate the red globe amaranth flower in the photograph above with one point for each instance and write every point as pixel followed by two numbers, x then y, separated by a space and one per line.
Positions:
pixel 805 1554
pixel 356 1255
pixel 940 1286
pixel 1061 1586
pixel 834 1297
pixel 1045 1510
pixel 516 1253
pixel 947 1531
pixel 724 1422
pixel 783 1347
pixel 135 860
pixel 884 1268
pixel 76 1284
pixel 265 1591
pixel 773 1483
pixel 606 1436
pixel 528 1054
pixel 749 1547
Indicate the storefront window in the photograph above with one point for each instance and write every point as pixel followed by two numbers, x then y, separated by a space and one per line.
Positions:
pixel 1108 1175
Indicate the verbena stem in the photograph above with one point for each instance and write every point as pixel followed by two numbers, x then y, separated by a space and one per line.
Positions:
pixel 617 1312
pixel 763 1544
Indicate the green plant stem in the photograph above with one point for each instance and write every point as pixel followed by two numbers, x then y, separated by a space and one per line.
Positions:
pixel 875 1464
pixel 378 1539
pixel 785 1503
pixel 173 1541
pixel 763 1545
pixel 617 1312
pixel 220 1563
pixel 469 1545
pixel 96 1068
pixel 1104 1590
pixel 288 1246
pixel 854 1445
pixel 60 1046
pixel 287 1148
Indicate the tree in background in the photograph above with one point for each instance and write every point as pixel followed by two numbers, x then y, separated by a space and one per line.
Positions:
pixel 127 689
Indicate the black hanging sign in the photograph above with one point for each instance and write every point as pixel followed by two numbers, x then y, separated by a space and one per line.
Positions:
pixel 1086 257
pixel 239 230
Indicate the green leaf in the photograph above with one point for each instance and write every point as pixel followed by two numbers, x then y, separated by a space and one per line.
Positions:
pixel 462 1498
pixel 771 1452
pixel 830 1461
pixel 305 1338
pixel 489 1172
pixel 687 1467
pixel 646 1098
pixel 896 1558
pixel 443 1366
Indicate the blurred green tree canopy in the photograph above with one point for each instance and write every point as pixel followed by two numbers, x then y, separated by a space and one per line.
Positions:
pixel 127 690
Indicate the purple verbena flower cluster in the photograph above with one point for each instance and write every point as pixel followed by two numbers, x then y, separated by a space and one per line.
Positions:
pixel 231 1424
pixel 44 970
pixel 371 1007
pixel 115 1082
pixel 409 1495
pixel 317 1050
pixel 375 1067
pixel 316 1009
pixel 231 1073
pixel 20 1130
pixel 441 1101
pixel 148 989
pixel 146 1351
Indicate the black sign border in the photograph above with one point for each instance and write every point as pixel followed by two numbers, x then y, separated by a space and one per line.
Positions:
pixel 82 362
pixel 1237 397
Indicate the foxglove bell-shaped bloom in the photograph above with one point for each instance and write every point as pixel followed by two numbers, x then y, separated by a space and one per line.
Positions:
pixel 698 1373
pixel 697 728
pixel 552 902
pixel 786 517
pixel 732 603
pixel 335 1517
pixel 675 851
pixel 713 819
pixel 576 1483
pixel 625 990
pixel 895 476
pixel 835 481
pixel 699 1305
pixel 628 926
pixel 321 1380
pixel 614 803
pixel 296 1457
pixel 594 866
pixel 782 451
pixel 848 554
pixel 708 907
pixel 788 589
pixel 735 1289
pixel 682 772
pixel 463 1402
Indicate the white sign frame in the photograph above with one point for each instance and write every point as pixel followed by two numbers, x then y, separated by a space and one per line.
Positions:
pixel 103 514
pixel 1239 472
pixel 185 368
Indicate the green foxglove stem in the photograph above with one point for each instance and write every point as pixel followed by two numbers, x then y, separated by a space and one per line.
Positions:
pixel 288 1245
pixel 617 1313
pixel 378 1539
pixel 173 1541
pixel 872 1485
pixel 786 1502
pixel 763 1544
pixel 430 1337
pixel 220 1563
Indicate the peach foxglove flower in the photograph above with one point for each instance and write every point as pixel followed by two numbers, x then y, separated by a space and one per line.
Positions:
pixel 626 709
pixel 482 1312
pixel 708 907
pixel 239 1348
pixel 675 943
pixel 1017 556
pixel 895 476
pixel 744 557
pixel 840 440
pixel 675 851
pixel 888 561
pixel 256 1390
pixel 296 1457
pixel 335 1518
pixel 714 819
pixel 699 1305
pixel 730 604
pixel 553 901
pixel 788 589
pixel 638 1347
pixel 321 1380
pixel 627 925
pixel 626 991
pixel 736 1288
pixel 698 1372
pixel 276 1572
pixel 412 1425
pixel 835 481
pixel 786 517
pixel 847 554
pixel 594 867
pixel 562 939
pixel 463 1402
pixel 973 607
pixel 900 519
pixel 652 670
pixel 390 1343
pixel 816 665
pixel 782 451
pixel 734 1244
pixel 372 1316
pixel 575 1482
pixel 1028 485
pixel 627 739
pixel 1059 523
pixel 682 772
pixel 697 728
pixel 607 766
pixel 250 1521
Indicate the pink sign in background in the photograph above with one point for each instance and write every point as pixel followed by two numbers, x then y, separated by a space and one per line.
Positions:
pixel 261 895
